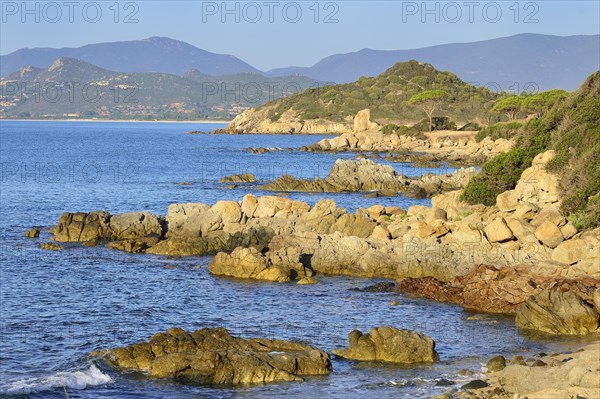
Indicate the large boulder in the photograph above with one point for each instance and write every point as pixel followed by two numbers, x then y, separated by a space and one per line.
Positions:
pixel 269 206
pixel 364 175
pixel 557 312
pixel 362 121
pixel 213 356
pixel 251 264
pixel 389 344
pixel 134 225
pixel 229 211
pixel 191 220
pixel 570 251
pixel 498 231
pixel 549 234
pixel 536 185
pixel 82 227
pixel 507 201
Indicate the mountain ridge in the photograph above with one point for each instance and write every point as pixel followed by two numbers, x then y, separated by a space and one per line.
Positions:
pixel 522 62
pixel 154 54
pixel 500 61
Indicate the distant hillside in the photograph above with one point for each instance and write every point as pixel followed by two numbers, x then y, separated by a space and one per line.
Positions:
pixel 549 62
pixel 156 54
pixel 387 96
pixel 70 88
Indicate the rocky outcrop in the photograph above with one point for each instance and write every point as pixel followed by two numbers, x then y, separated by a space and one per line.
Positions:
pixel 81 227
pixel 249 263
pixel 94 226
pixel 389 344
pixel 135 225
pixel 448 146
pixel 213 356
pixel 243 178
pixel 258 120
pixel 362 121
pixel 557 312
pixel 367 176
pixel 498 290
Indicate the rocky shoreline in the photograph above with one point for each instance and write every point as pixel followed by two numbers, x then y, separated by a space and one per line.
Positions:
pixel 520 257
pixel 360 134
pixel 523 242
pixel 367 176
pixel 444 145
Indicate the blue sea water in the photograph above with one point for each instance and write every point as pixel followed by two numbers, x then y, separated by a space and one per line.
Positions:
pixel 57 307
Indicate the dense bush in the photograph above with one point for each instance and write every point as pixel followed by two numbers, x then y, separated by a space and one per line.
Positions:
pixel 498 175
pixel 470 127
pixel 417 130
pixel 499 131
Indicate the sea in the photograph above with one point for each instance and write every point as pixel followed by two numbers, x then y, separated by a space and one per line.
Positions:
pixel 56 307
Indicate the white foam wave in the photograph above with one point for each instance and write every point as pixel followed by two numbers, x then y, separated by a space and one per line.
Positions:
pixel 69 379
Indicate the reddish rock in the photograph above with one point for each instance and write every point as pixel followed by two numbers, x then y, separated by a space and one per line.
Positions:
pixel 489 289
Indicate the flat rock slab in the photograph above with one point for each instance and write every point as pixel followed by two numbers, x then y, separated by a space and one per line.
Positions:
pixel 213 356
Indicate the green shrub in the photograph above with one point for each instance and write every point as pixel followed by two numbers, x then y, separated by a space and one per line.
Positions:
pixel 390 128
pixel 499 131
pixel 498 175
pixel 470 127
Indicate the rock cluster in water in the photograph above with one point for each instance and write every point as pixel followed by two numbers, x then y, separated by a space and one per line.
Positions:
pixel 213 356
pixel 365 175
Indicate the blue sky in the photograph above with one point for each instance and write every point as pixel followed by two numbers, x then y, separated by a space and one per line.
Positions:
pixel 270 34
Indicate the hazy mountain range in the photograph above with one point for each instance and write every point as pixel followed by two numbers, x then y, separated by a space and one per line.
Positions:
pixel 547 61
pixel 507 63
pixel 156 54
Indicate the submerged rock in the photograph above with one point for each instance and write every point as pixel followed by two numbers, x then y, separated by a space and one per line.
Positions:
pixel 385 286
pixel 243 178
pixel 50 246
pixel 213 356
pixel 307 281
pixel 557 312
pixel 389 344
pixel 34 232
pixel 475 384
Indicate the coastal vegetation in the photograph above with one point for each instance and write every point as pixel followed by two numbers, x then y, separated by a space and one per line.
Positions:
pixel 571 127
pixel 399 94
